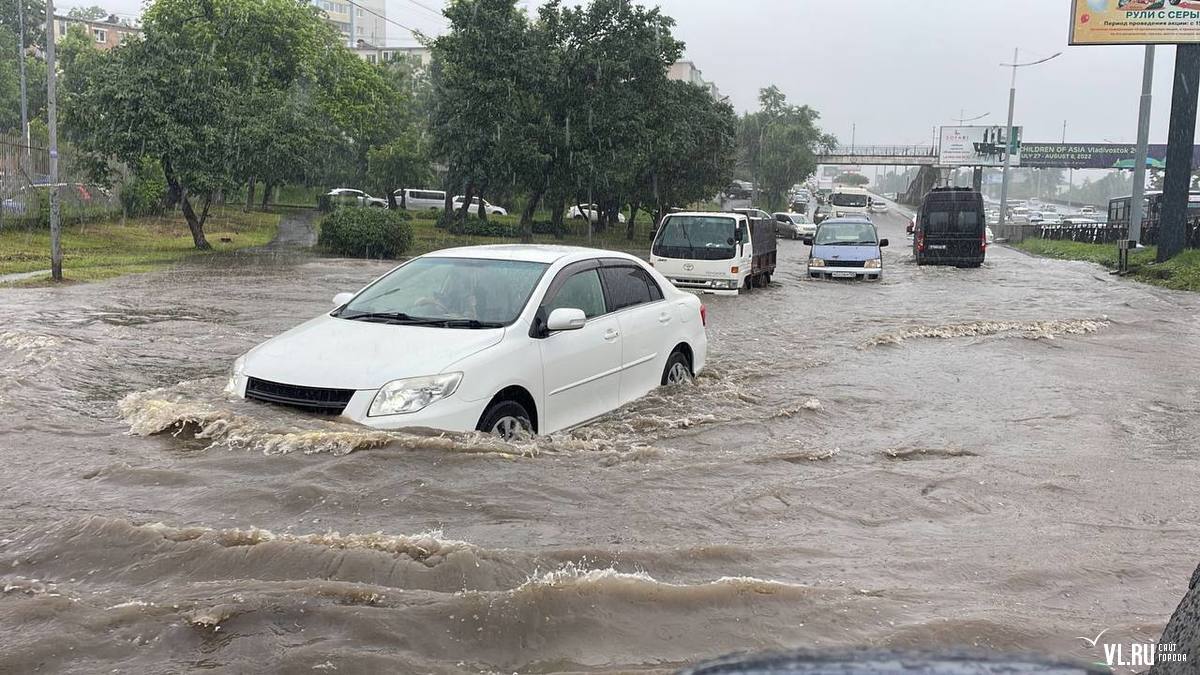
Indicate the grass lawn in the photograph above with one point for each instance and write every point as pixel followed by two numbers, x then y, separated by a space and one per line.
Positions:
pixel 1181 272
pixel 107 249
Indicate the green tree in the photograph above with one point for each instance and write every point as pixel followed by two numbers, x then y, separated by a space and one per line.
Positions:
pixel 692 151
pixel 213 87
pixel 35 21
pixel 779 144
pixel 93 13
pixel 851 179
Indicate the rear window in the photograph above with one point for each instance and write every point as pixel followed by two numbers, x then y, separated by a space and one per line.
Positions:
pixel 966 221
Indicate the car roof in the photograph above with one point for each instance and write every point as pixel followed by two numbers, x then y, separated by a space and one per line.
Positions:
pixel 540 253
pixel 710 214
pixel 843 220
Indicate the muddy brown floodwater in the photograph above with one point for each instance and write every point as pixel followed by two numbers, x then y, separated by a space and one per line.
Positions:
pixel 1002 458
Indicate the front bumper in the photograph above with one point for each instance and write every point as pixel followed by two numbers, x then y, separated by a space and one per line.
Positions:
pixel 449 414
pixel 714 286
pixel 844 273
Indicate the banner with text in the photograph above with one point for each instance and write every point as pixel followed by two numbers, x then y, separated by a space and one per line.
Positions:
pixel 1094 156
pixel 978 146
pixel 1134 22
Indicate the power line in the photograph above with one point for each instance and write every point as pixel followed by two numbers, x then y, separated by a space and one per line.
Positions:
pixel 372 12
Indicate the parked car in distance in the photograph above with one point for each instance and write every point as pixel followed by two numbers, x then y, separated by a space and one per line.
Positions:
pixel 719 253
pixel 29 198
pixel 488 207
pixel 592 211
pixel 420 200
pixel 793 225
pixel 845 249
pixel 951 228
pixel 338 197
pixel 739 190
pixel 497 339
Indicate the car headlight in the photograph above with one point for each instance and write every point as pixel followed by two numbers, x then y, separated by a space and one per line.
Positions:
pixel 239 367
pixel 816 262
pixel 410 395
pixel 873 264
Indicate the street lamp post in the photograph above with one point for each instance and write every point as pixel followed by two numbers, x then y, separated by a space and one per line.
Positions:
pixel 1008 138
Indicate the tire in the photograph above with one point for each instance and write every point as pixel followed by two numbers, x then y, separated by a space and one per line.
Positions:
pixel 504 418
pixel 748 284
pixel 766 280
pixel 677 371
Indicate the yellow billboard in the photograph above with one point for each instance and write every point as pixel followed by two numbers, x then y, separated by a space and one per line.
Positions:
pixel 1134 22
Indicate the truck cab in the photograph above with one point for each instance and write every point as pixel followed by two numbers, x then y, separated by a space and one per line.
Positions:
pixel 845 201
pixel 720 253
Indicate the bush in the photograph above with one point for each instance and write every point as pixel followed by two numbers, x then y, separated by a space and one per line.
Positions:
pixel 366 233
pixel 146 191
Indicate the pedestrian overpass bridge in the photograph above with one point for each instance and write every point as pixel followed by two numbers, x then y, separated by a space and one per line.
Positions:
pixel 881 155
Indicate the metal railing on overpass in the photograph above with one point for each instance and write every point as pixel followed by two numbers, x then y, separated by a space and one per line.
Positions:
pixel 884 151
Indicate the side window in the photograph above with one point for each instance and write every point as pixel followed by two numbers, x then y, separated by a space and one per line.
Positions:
pixel 629 286
pixel 581 291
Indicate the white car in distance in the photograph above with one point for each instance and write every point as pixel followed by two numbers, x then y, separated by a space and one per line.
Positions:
pixel 488 207
pixel 497 339
pixel 592 211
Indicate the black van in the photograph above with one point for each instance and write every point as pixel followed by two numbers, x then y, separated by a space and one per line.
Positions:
pixel 951 228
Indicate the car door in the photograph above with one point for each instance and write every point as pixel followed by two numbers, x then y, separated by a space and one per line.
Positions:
pixel 646 323
pixel 581 368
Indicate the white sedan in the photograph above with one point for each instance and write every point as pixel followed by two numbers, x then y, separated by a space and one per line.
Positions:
pixel 497 339
pixel 592 211
pixel 352 197
pixel 488 207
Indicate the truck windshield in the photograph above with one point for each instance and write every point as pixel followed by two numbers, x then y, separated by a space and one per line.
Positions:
pixel 696 237
pixel 845 234
pixel 851 200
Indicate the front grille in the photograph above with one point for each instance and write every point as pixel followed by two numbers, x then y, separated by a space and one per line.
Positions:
pixel 316 399
pixel 845 263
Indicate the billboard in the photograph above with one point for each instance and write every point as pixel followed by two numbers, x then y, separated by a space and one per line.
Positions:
pixel 1094 156
pixel 978 146
pixel 1128 22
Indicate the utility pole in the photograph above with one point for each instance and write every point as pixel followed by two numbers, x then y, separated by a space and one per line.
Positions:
pixel 1173 234
pixel 21 60
pixel 1012 101
pixel 1137 207
pixel 52 120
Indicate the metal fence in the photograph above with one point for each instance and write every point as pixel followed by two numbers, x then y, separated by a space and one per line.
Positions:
pixel 1108 233
pixel 25 187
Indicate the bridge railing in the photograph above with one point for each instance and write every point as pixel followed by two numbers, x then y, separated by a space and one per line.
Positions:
pixel 884 151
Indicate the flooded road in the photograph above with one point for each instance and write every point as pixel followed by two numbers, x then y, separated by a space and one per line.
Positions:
pixel 1001 457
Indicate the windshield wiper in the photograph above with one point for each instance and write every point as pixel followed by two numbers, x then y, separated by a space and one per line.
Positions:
pixel 389 317
pixel 468 323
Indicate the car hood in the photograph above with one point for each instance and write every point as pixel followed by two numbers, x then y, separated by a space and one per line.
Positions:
pixel 846 252
pixel 341 354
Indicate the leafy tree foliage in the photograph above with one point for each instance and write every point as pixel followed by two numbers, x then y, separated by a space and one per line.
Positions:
pixel 35 21
pixel 851 179
pixel 93 13
pixel 779 143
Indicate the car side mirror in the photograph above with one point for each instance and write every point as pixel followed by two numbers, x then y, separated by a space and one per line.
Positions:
pixel 342 298
pixel 808 241
pixel 566 318
pixel 883 243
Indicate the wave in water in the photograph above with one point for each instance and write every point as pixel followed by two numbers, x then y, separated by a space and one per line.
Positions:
pixel 1033 330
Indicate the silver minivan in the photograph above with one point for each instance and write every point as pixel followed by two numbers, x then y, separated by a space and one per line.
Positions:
pixel 421 200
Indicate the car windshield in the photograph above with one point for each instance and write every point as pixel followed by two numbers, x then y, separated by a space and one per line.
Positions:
pixel 460 291
pixel 848 200
pixel 845 234
pixel 697 237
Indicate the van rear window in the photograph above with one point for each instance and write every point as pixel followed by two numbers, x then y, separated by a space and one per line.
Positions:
pixel 953 222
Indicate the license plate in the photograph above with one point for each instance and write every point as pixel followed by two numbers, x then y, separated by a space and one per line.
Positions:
pixel 937 247
pixel 843 275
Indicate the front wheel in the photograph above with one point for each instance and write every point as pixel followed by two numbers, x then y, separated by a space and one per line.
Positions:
pixel 678 370
pixel 506 419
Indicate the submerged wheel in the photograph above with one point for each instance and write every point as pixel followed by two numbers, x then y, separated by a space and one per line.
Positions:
pixel 506 419
pixel 678 370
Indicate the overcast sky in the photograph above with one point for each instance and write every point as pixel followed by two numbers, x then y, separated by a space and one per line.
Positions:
pixel 894 69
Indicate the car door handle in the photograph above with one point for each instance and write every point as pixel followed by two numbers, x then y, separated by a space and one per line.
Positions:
pixel 611 334
pixel 664 318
